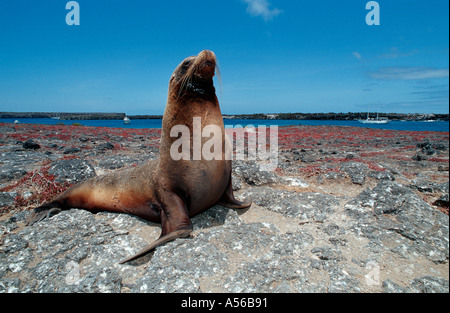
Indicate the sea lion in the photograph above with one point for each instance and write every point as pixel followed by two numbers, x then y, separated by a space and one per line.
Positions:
pixel 166 190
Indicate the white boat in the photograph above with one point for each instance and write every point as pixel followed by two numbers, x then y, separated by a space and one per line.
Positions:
pixel 126 120
pixel 16 122
pixel 380 120
pixel 377 120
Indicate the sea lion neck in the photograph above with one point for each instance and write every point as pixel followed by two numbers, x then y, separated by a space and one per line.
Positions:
pixel 201 87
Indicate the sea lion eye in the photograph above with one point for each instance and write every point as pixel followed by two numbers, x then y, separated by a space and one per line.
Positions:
pixel 186 63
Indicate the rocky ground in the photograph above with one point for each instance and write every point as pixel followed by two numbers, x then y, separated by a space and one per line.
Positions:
pixel 347 210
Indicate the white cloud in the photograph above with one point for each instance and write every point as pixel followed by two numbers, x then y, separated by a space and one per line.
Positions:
pixel 409 73
pixel 261 8
pixel 357 55
pixel 395 53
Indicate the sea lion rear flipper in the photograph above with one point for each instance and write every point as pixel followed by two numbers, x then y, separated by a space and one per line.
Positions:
pixel 175 223
pixel 42 213
pixel 228 200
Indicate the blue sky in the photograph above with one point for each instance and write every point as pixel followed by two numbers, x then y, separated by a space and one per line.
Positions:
pixel 274 55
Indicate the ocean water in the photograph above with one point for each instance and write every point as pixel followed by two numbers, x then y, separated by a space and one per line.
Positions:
pixel 440 126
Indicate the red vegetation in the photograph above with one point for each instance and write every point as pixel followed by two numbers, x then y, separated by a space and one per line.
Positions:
pixel 329 146
pixel 42 186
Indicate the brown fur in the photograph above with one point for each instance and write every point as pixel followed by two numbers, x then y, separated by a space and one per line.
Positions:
pixel 165 191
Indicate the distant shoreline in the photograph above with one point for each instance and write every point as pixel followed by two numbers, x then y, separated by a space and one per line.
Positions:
pixel 258 116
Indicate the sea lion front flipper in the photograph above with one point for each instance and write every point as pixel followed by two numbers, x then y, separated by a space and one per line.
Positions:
pixel 175 223
pixel 228 200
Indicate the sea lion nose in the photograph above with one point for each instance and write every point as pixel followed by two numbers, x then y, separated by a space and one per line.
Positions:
pixel 208 68
pixel 207 64
pixel 208 54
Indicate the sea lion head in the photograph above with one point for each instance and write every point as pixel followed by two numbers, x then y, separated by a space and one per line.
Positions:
pixel 194 76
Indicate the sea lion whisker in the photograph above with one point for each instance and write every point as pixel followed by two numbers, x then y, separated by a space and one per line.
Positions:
pixel 183 85
pixel 187 79
pixel 218 74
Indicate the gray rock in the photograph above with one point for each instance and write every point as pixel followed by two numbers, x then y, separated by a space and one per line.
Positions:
pixel 118 161
pixel 443 201
pixel 31 145
pixel 342 282
pixel 381 175
pixel 269 275
pixel 11 172
pixel 77 251
pixel 327 253
pixel 329 250
pixel 7 198
pixel 305 206
pixel 400 215
pixel 334 175
pixel 74 170
pixel 307 158
pixel 423 185
pixel 175 267
pixel 105 146
pixel 431 148
pixel 391 287
pixel 429 284
pixel 72 150
pixel 357 171
pixel 444 187
pixel 251 174
pixel 9 285
pixel 419 157
pixel 331 229
pixel 14 165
